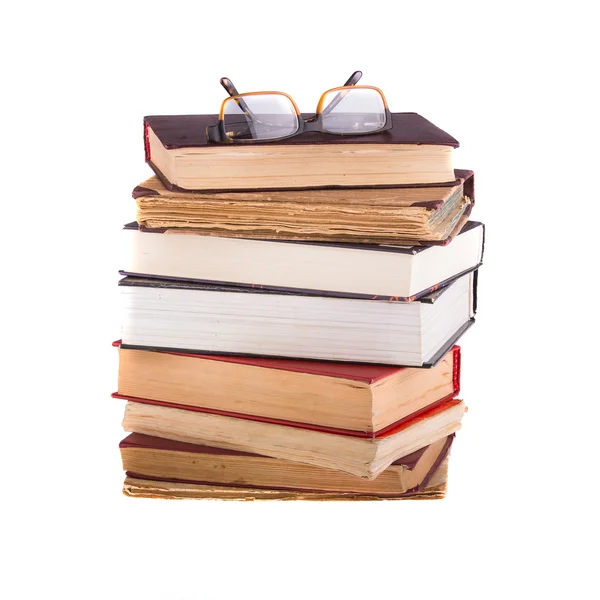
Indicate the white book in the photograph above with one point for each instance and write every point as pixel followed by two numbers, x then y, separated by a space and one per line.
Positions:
pixel 197 317
pixel 320 268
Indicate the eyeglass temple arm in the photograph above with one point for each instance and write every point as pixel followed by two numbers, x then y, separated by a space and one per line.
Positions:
pixel 352 80
pixel 232 91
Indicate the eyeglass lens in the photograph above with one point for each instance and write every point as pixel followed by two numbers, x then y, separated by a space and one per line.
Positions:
pixel 268 116
pixel 357 111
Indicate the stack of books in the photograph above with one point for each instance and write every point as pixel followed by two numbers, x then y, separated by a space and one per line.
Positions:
pixel 291 311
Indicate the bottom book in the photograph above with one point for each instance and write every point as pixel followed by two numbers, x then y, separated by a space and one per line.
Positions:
pixel 149 488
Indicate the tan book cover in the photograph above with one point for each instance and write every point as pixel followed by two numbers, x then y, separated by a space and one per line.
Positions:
pixel 408 215
pixel 155 458
pixel 144 488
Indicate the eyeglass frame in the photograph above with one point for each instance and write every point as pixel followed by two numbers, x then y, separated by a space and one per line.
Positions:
pixel 218 134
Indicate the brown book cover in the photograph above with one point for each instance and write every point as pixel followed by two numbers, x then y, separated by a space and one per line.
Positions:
pixel 362 457
pixel 160 489
pixel 178 150
pixel 155 458
pixel 189 131
pixel 418 215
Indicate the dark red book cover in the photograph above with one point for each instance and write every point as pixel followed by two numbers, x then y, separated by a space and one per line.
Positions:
pixel 367 373
pixel 189 131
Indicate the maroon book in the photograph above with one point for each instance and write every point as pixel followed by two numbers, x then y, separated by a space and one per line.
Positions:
pixel 189 131
pixel 178 150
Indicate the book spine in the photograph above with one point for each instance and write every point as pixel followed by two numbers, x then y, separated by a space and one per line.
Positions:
pixel 146 142
pixel 469 187
pixel 438 461
pixel 456 369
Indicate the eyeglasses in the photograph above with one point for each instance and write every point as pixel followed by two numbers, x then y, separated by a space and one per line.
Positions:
pixel 268 116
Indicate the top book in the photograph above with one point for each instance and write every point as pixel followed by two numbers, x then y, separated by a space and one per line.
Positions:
pixel 413 152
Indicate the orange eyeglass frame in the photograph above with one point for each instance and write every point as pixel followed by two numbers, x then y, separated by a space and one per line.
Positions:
pixel 217 133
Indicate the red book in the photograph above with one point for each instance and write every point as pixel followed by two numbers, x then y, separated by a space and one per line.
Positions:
pixel 347 398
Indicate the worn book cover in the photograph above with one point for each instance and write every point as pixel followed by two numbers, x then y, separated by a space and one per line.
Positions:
pixel 413 152
pixel 418 215
pixel 155 458
pixel 363 457
pixel 144 488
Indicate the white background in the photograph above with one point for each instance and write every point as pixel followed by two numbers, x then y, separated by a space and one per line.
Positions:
pixel 516 84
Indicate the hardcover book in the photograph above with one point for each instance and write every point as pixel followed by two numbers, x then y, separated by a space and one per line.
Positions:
pixel 195 317
pixel 363 457
pixel 170 490
pixel 153 458
pixel 364 400
pixel 414 151
pixel 421 215
pixel 324 269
